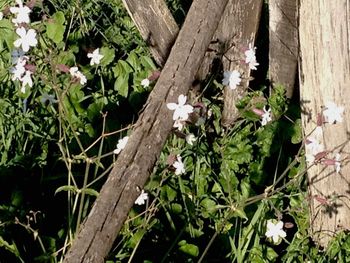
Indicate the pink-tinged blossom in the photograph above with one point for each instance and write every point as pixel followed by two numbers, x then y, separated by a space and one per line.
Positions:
pixel 21 12
pixel 313 148
pixel 232 79
pixel 179 124
pixel 250 57
pixel 333 113
pixel 266 117
pixel 77 74
pixel 27 39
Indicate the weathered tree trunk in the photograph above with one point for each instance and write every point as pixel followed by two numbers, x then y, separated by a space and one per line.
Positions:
pixel 325 71
pixel 156 26
pixel 236 30
pixel 136 161
pixel 283 50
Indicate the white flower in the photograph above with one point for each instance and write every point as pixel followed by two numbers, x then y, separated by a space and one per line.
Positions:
pixel 275 231
pixel 1 15
pixel 81 77
pixel 73 71
pixel 19 69
pixel 26 40
pixel 27 79
pixel 190 139
pixel 142 198
pixel 145 83
pixel 179 124
pixel 333 113
pixel 232 79
pixel 121 145
pixel 22 13
pixel 337 163
pixel 250 57
pixel 95 57
pixel 313 146
pixel 77 74
pixel 266 117
pixel 181 111
pixel 179 166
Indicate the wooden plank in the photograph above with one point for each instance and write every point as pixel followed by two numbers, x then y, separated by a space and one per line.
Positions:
pixel 283 43
pixel 325 70
pixel 136 161
pixel 155 24
pixel 237 29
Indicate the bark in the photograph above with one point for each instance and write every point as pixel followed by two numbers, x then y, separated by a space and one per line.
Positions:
pixel 325 70
pixel 283 50
pixel 156 25
pixel 237 28
pixel 136 161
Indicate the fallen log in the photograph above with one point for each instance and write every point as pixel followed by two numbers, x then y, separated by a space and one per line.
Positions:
pixel 136 161
pixel 155 24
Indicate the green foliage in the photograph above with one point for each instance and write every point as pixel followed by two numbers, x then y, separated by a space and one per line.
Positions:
pixel 57 140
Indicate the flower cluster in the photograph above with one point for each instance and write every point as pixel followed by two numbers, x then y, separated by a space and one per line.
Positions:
pixel 264 114
pixel 21 69
pixel 233 78
pixel 315 150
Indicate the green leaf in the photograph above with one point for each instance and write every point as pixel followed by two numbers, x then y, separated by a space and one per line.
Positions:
pixel 189 249
pixel 66 188
pixel 90 191
pixel 147 62
pixel 239 212
pixel 122 85
pixel 136 238
pixel 11 248
pixel 108 56
pixel 7 32
pixel 296 132
pixel 55 27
